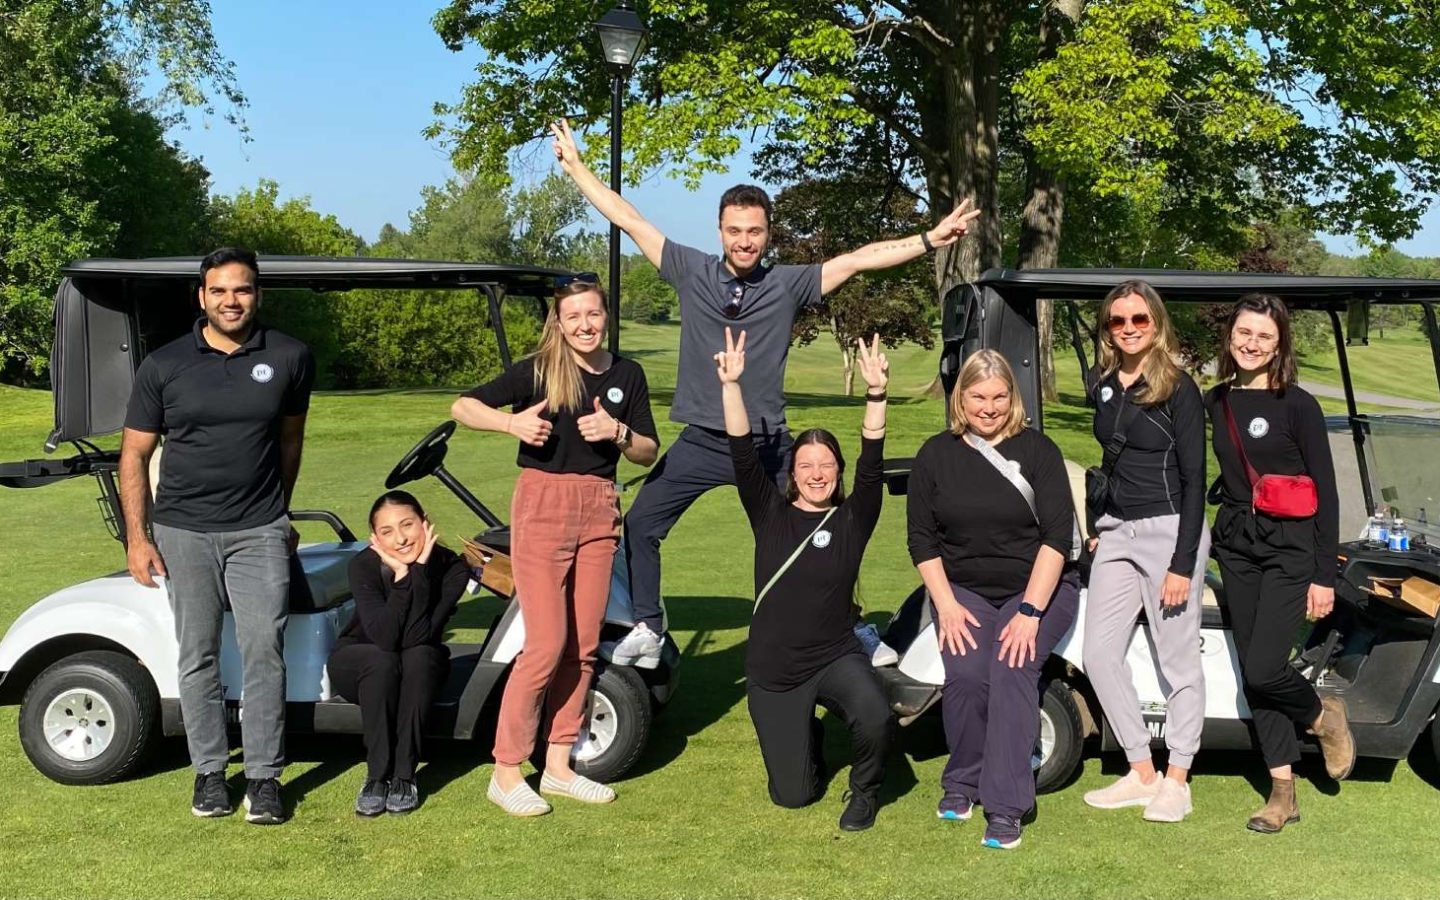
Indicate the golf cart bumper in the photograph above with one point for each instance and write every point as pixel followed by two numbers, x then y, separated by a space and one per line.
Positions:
pixel 907 696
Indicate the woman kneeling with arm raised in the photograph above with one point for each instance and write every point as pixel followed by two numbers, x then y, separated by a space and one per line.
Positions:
pixel 991 528
pixel 808 547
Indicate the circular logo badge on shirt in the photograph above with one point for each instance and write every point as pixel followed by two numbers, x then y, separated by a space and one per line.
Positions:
pixel 614 395
pixel 262 373
pixel 1258 427
pixel 821 540
pixel 1106 393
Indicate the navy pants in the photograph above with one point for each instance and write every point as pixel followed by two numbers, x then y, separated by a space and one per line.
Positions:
pixel 698 461
pixel 991 711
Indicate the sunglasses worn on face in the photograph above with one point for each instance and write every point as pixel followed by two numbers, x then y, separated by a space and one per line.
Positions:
pixel 731 308
pixel 564 281
pixel 1141 321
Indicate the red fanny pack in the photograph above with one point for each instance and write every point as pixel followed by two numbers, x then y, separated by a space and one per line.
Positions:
pixel 1280 496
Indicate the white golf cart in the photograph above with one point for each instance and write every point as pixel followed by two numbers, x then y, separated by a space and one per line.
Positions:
pixel 94 666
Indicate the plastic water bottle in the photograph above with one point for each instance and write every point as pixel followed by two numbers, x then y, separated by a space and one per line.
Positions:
pixel 1399 537
pixel 1378 532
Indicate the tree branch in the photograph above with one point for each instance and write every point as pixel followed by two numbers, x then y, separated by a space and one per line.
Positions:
pixel 879 110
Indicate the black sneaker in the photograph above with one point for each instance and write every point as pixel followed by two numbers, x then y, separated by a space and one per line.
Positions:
pixel 403 798
pixel 1001 833
pixel 212 798
pixel 262 802
pixel 859 812
pixel 371 801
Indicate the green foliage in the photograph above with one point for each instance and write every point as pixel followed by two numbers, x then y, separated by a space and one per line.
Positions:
pixel 258 220
pixel 644 296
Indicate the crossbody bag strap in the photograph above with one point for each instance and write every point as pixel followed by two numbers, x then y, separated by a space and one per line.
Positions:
pixel 1012 474
pixel 793 556
pixel 1116 445
pixel 1235 438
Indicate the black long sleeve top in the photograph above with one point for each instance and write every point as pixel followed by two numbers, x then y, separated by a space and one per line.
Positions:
pixel 1283 434
pixel 962 511
pixel 1161 470
pixel 806 621
pixel 395 615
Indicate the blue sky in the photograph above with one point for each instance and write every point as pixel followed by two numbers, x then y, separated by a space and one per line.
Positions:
pixel 340 93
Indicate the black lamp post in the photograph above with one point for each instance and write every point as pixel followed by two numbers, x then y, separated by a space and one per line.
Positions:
pixel 622 37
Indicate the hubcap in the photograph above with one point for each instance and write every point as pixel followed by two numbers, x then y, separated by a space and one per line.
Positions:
pixel 599 734
pixel 79 724
pixel 1045 744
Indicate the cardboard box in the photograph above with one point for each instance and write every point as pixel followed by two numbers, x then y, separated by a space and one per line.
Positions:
pixel 1414 594
pixel 494 567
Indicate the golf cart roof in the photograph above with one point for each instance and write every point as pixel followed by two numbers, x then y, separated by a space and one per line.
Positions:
pixel 1211 287
pixel 319 273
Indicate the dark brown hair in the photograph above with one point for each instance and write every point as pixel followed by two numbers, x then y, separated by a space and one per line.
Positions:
pixel 395 498
pixel 743 195
pixel 1282 369
pixel 827 440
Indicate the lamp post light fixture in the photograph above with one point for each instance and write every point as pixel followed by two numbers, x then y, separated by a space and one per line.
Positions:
pixel 622 38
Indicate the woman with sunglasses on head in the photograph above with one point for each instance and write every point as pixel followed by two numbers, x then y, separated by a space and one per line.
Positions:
pixel 992 526
pixel 575 408
pixel 809 542
pixel 391 658
pixel 1277 554
pixel 1151 547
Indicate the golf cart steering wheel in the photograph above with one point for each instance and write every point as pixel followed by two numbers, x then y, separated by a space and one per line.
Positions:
pixel 423 459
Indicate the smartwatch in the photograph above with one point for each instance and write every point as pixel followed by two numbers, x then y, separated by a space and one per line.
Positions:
pixel 1028 609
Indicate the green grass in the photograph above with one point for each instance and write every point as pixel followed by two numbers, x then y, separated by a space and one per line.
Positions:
pixel 694 820
pixel 1398 365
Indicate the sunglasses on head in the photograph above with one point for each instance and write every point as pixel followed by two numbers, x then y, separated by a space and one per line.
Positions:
pixel 564 281
pixel 731 309
pixel 1141 321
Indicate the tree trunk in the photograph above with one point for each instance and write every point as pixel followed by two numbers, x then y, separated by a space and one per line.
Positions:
pixel 847 358
pixel 1044 211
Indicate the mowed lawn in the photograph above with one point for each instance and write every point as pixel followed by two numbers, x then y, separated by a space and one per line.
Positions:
pixel 694 819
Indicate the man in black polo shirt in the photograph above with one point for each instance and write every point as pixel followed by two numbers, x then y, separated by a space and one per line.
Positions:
pixel 230 399
pixel 741 291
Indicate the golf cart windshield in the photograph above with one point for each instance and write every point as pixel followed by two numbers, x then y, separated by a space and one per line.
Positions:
pixel 109 313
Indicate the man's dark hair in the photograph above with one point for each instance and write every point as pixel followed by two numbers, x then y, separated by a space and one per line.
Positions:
pixel 743 195
pixel 227 255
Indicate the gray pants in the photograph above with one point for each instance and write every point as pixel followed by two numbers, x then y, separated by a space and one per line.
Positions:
pixel 251 568
pixel 1126 576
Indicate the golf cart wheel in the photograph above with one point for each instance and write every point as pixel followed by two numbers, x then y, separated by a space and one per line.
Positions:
pixel 89 718
pixel 617 725
pixel 1058 749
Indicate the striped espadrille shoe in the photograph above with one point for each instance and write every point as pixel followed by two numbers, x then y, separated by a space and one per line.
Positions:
pixel 520 800
pixel 577 788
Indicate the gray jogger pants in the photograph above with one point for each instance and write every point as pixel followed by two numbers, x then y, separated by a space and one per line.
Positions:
pixel 252 568
pixel 1127 576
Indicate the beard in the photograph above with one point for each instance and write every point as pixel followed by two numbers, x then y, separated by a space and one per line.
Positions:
pixel 238 328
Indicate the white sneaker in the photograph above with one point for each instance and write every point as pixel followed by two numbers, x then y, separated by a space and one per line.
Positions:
pixel 1171 803
pixel 1127 791
pixel 884 655
pixel 640 648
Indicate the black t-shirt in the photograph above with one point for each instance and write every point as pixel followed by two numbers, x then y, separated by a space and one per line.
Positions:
pixel 962 511
pixel 807 620
pixel 623 392
pixel 220 415
pixel 395 615
pixel 1161 470
pixel 1283 435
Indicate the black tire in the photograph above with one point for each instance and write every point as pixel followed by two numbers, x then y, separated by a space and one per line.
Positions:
pixel 1059 710
pixel 94 680
pixel 623 691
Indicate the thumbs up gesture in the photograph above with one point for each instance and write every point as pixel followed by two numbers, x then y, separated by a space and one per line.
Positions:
pixel 529 427
pixel 599 425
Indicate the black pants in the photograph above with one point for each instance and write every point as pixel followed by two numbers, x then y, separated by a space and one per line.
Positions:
pixel 1267 566
pixel 698 461
pixel 394 691
pixel 790 735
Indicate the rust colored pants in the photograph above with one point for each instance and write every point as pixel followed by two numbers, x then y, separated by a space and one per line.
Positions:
pixel 563 534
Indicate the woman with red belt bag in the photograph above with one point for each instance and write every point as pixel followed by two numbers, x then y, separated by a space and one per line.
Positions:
pixel 1275 538
pixel 576 409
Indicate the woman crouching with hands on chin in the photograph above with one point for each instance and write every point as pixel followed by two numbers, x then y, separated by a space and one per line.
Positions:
pixel 391 658
pixel 577 408
pixel 808 546
pixel 991 529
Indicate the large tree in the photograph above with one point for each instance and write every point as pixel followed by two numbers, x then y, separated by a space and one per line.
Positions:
pixel 1194 116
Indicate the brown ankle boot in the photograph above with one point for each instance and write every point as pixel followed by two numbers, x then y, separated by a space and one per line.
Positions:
pixel 1280 811
pixel 1337 744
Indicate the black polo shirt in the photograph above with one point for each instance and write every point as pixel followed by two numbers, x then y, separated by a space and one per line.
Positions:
pixel 220 415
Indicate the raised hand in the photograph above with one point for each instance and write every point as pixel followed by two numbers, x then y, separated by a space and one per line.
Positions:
pixel 954 226
pixel 529 427
pixel 566 151
pixel 431 536
pixel 874 367
pixel 730 362
pixel 599 425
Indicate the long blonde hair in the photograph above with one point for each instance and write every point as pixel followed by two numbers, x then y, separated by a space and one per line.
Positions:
pixel 982 366
pixel 557 371
pixel 1158 368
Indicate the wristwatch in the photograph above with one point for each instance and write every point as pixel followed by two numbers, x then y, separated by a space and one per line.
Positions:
pixel 1028 609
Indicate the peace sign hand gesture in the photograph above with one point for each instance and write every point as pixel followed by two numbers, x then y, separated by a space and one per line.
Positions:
pixel 874 367
pixel 565 148
pixel 954 226
pixel 730 363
